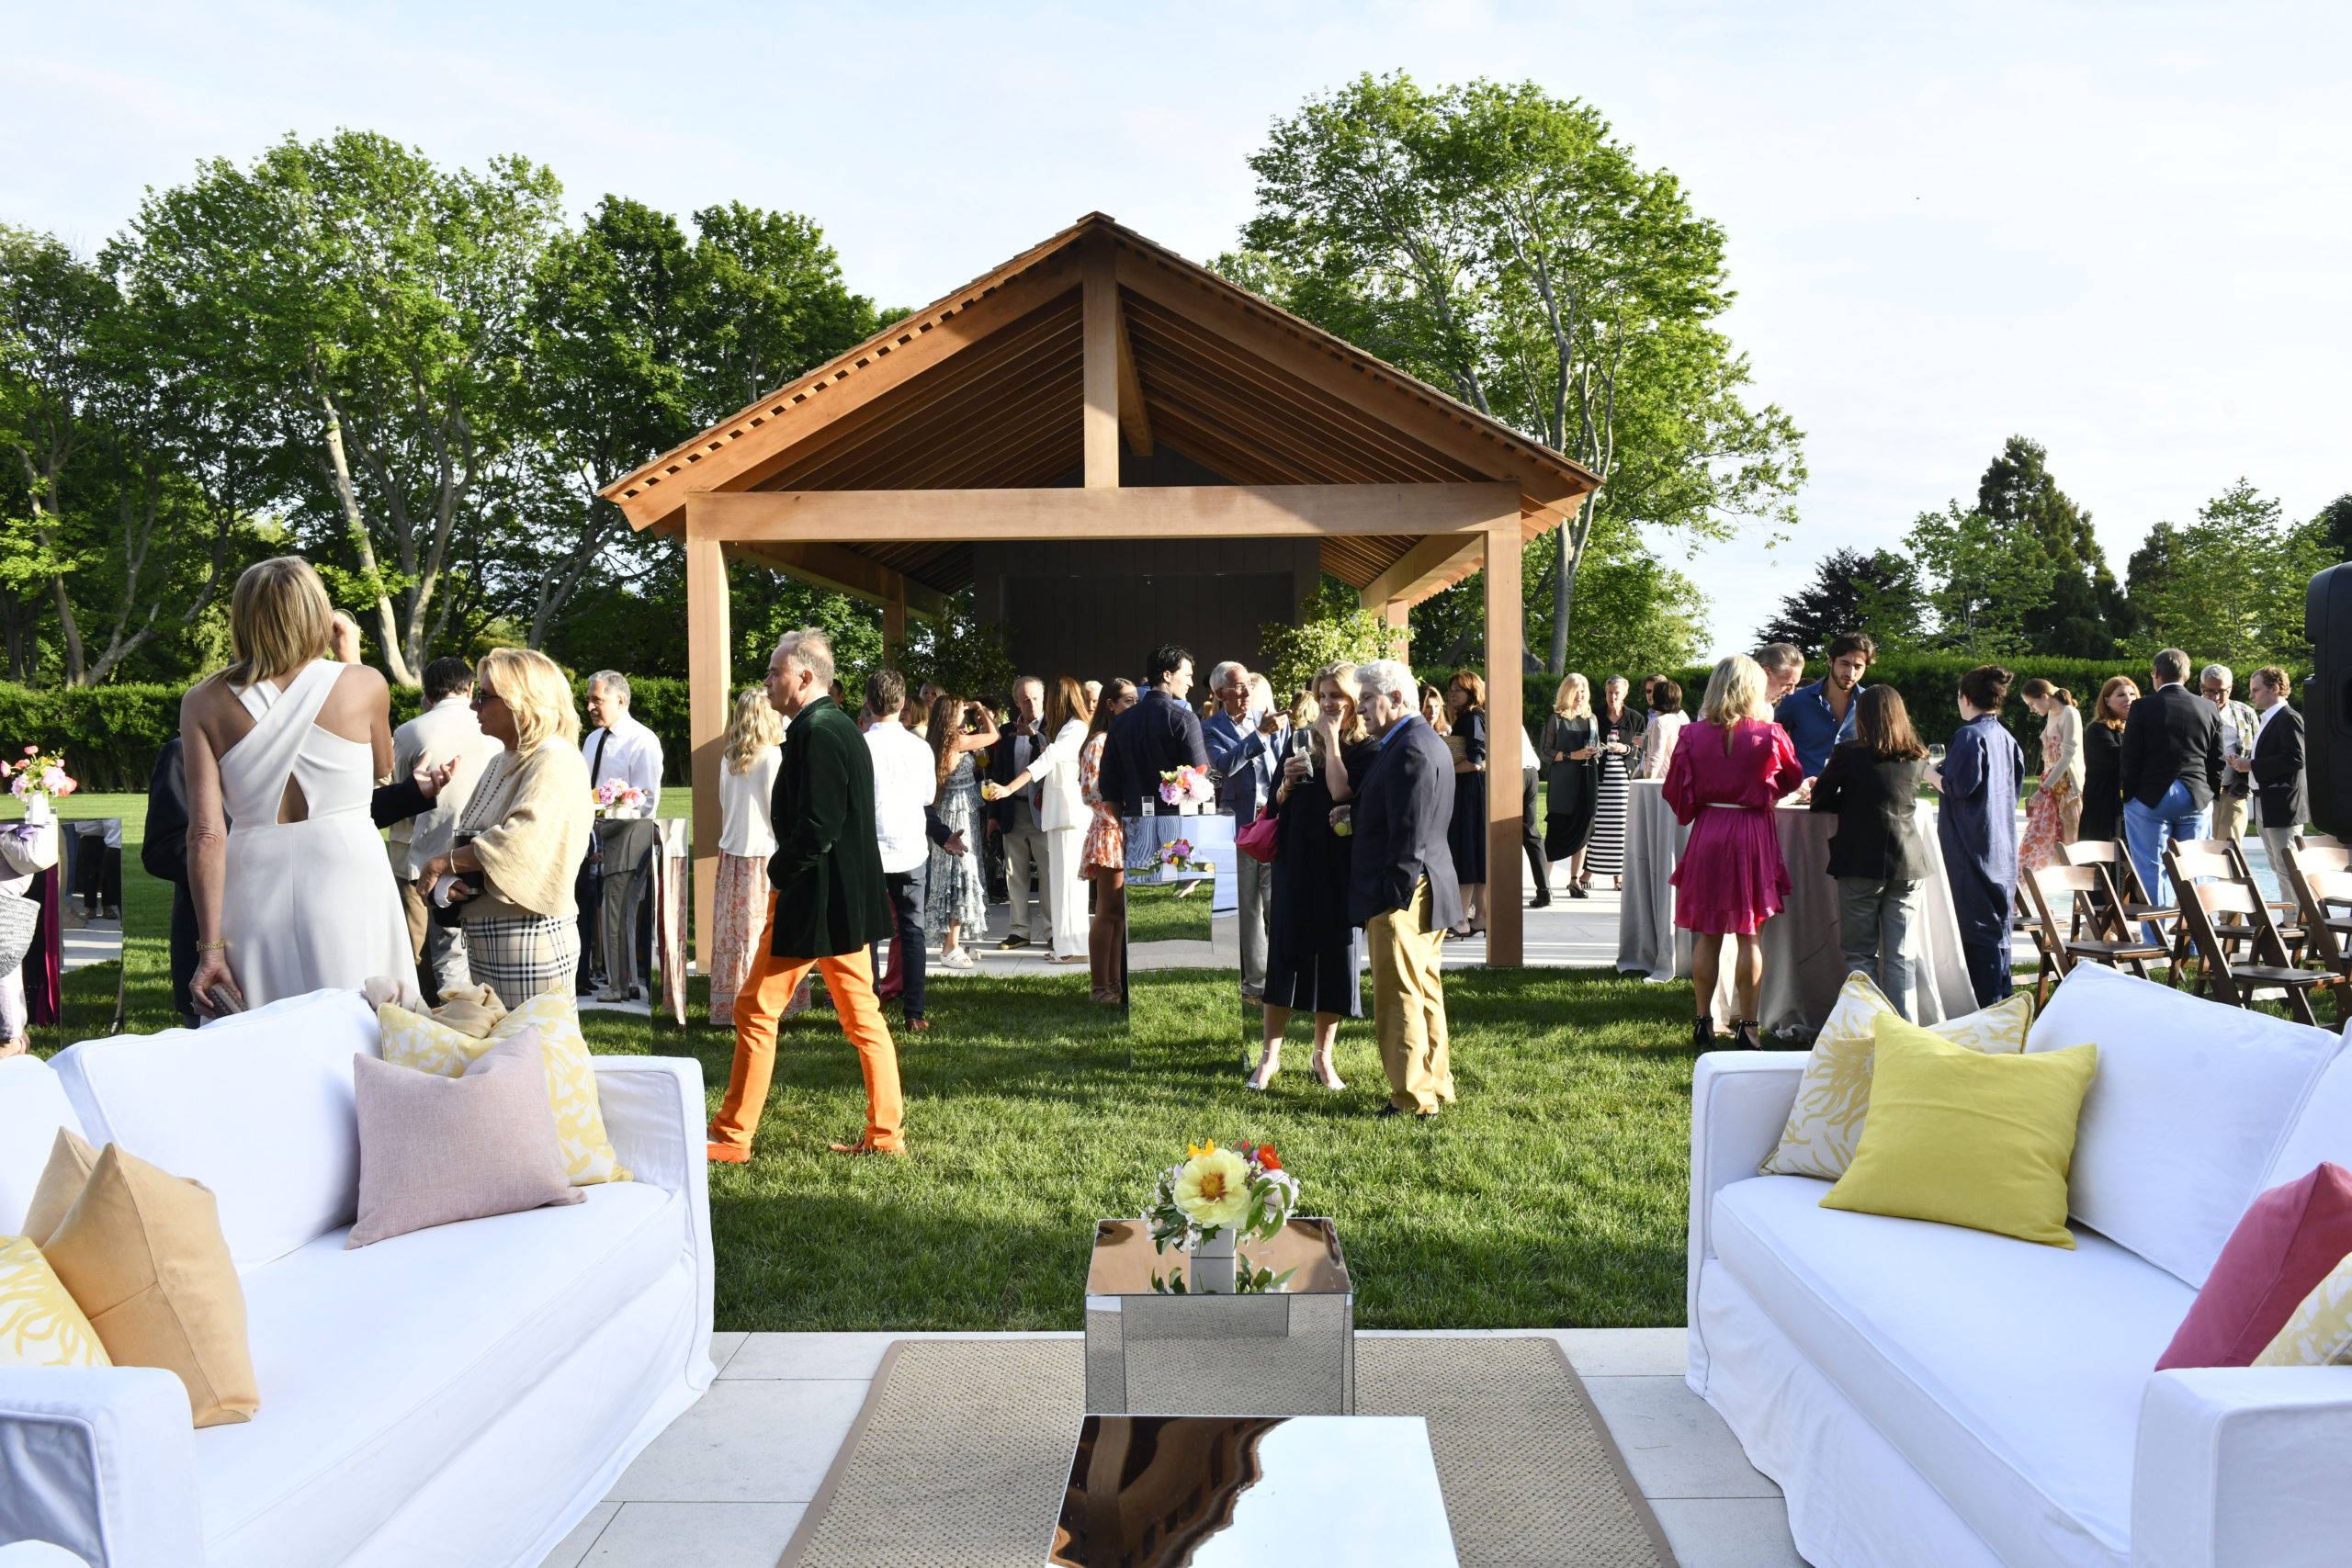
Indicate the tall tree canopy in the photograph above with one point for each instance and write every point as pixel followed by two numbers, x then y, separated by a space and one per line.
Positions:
pixel 2231 585
pixel 2082 613
pixel 1499 242
pixel 1850 592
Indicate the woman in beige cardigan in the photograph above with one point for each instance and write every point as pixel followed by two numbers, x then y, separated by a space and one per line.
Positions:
pixel 524 833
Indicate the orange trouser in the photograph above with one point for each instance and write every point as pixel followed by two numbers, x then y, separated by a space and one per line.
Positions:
pixel 850 979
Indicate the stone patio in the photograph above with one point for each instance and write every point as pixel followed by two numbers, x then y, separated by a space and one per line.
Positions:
pixel 725 1486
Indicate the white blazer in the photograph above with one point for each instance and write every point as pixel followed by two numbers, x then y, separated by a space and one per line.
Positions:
pixel 1054 770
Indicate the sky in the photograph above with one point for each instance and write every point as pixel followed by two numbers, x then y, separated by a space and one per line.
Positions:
pixel 2120 230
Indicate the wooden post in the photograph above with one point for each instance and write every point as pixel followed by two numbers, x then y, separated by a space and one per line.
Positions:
pixel 708 637
pixel 1398 613
pixel 894 626
pixel 1100 339
pixel 1505 617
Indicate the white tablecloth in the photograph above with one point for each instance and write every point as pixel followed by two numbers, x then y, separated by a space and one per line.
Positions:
pixel 1802 965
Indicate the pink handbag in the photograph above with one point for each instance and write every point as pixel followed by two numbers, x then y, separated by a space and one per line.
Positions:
pixel 1261 840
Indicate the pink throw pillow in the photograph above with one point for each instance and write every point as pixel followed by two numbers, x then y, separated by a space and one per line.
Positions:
pixel 2288 1241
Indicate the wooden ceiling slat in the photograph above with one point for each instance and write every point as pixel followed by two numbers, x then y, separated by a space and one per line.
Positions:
pixel 1333 459
pixel 951 438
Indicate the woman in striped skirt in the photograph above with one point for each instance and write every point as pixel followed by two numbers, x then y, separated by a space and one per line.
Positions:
pixel 1618 731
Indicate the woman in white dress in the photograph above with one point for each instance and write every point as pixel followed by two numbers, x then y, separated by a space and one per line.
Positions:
pixel 1064 814
pixel 746 839
pixel 293 890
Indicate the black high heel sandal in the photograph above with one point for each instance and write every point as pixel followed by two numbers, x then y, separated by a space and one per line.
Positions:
pixel 1703 1033
pixel 1747 1035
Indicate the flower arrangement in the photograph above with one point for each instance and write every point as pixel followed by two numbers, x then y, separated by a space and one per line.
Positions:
pixel 1243 1189
pixel 1186 787
pixel 1176 856
pixel 38 780
pixel 619 794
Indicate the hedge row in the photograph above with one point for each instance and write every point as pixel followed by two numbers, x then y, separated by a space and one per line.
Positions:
pixel 109 735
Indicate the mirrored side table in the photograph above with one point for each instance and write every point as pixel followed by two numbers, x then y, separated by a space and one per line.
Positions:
pixel 1285 1352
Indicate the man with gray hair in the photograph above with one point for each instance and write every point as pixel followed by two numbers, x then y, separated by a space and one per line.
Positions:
pixel 1401 887
pixel 1245 754
pixel 2169 770
pixel 620 751
pixel 1783 666
pixel 1014 820
pixel 2238 724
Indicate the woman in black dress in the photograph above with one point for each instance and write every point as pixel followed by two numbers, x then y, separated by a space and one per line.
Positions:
pixel 1572 773
pixel 1310 946
pixel 2102 756
pixel 1465 709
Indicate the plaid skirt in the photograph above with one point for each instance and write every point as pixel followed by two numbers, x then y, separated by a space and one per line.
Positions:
pixel 524 956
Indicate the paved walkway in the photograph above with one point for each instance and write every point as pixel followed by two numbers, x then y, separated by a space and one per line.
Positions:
pixel 726 1484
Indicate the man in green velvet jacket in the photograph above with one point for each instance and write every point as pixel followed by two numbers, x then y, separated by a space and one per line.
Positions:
pixel 826 907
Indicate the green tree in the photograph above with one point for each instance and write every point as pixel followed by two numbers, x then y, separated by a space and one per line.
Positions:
pixel 1985 580
pixel 1333 627
pixel 1501 243
pixel 2077 618
pixel 2230 586
pixel 1631 610
pixel 1850 592
pixel 2334 524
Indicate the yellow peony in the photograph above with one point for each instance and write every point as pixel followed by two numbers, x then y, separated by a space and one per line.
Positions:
pixel 1214 1189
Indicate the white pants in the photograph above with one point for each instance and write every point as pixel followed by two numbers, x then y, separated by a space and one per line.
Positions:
pixel 1024 852
pixel 1066 895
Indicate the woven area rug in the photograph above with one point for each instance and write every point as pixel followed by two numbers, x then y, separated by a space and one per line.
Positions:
pixel 960 1456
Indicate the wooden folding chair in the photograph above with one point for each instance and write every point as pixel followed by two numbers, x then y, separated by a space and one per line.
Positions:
pixel 2234 984
pixel 2112 854
pixel 2085 894
pixel 2306 873
pixel 2033 924
pixel 2286 911
pixel 2318 841
pixel 2188 861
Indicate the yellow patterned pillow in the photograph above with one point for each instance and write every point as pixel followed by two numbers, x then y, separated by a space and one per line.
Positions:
pixel 435 1047
pixel 2319 1331
pixel 40 1324
pixel 1834 1097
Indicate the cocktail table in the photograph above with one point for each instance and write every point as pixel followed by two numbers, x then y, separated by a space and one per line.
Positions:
pixel 1248 1491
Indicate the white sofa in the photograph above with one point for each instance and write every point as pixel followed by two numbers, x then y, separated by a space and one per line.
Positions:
pixel 461 1395
pixel 1929 1395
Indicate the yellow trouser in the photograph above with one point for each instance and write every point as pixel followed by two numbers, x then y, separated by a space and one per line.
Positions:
pixel 1409 1004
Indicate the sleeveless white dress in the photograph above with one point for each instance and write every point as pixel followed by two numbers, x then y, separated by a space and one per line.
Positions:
pixel 306 905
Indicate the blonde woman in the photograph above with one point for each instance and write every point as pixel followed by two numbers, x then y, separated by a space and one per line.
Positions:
pixel 287 744
pixel 1729 769
pixel 1314 957
pixel 522 833
pixel 746 839
pixel 1063 815
pixel 1571 758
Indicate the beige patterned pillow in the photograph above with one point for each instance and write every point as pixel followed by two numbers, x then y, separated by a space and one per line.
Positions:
pixel 41 1325
pixel 432 1046
pixel 2319 1331
pixel 1834 1097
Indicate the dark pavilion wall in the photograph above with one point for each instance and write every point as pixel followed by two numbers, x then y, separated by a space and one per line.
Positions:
pixel 1096 609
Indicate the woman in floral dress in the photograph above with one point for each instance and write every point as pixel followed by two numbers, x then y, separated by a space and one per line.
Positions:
pixel 1103 859
pixel 2057 805
pixel 957 899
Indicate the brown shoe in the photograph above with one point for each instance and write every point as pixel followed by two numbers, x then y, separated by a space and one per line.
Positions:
pixel 865 1147
pixel 916 1025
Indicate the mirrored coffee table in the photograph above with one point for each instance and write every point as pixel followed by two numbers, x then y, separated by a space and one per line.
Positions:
pixel 1284 1352
pixel 1247 1492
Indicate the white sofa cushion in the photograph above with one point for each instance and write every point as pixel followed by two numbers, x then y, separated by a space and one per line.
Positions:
pixel 2009 1375
pixel 2190 1107
pixel 257 1107
pixel 2321 1132
pixel 33 1105
pixel 377 1366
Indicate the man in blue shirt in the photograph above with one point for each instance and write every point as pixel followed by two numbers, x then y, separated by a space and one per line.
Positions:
pixel 1820 714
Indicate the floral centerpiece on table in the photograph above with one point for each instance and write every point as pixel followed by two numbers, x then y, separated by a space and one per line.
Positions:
pixel 1243 1191
pixel 1186 786
pixel 40 781
pixel 1176 856
pixel 619 798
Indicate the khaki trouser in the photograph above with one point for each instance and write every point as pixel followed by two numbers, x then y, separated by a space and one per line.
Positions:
pixel 765 994
pixel 1025 854
pixel 1409 1004
pixel 2229 816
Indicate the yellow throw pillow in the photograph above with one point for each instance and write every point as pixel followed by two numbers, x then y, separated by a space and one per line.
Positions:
pixel 1834 1097
pixel 40 1324
pixel 70 1159
pixel 2319 1331
pixel 141 1254
pixel 1969 1139
pixel 428 1045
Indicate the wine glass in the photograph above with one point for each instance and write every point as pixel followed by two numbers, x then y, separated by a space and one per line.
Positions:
pixel 1936 756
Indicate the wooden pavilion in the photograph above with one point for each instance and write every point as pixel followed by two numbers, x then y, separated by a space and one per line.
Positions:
pixel 997 416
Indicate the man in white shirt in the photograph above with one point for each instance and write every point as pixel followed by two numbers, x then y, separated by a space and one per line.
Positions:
pixel 903 786
pixel 1014 818
pixel 445 729
pixel 619 748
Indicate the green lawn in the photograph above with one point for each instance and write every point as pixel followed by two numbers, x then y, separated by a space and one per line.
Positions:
pixel 1553 1194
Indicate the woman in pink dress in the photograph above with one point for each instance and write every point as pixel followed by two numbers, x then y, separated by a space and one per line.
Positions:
pixel 1730 768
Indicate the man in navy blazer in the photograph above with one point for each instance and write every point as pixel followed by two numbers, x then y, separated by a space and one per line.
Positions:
pixel 1158 734
pixel 2170 769
pixel 1401 887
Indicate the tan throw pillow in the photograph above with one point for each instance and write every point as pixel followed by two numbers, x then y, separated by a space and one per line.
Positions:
pixel 141 1253
pixel 1834 1096
pixel 434 1150
pixel 62 1180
